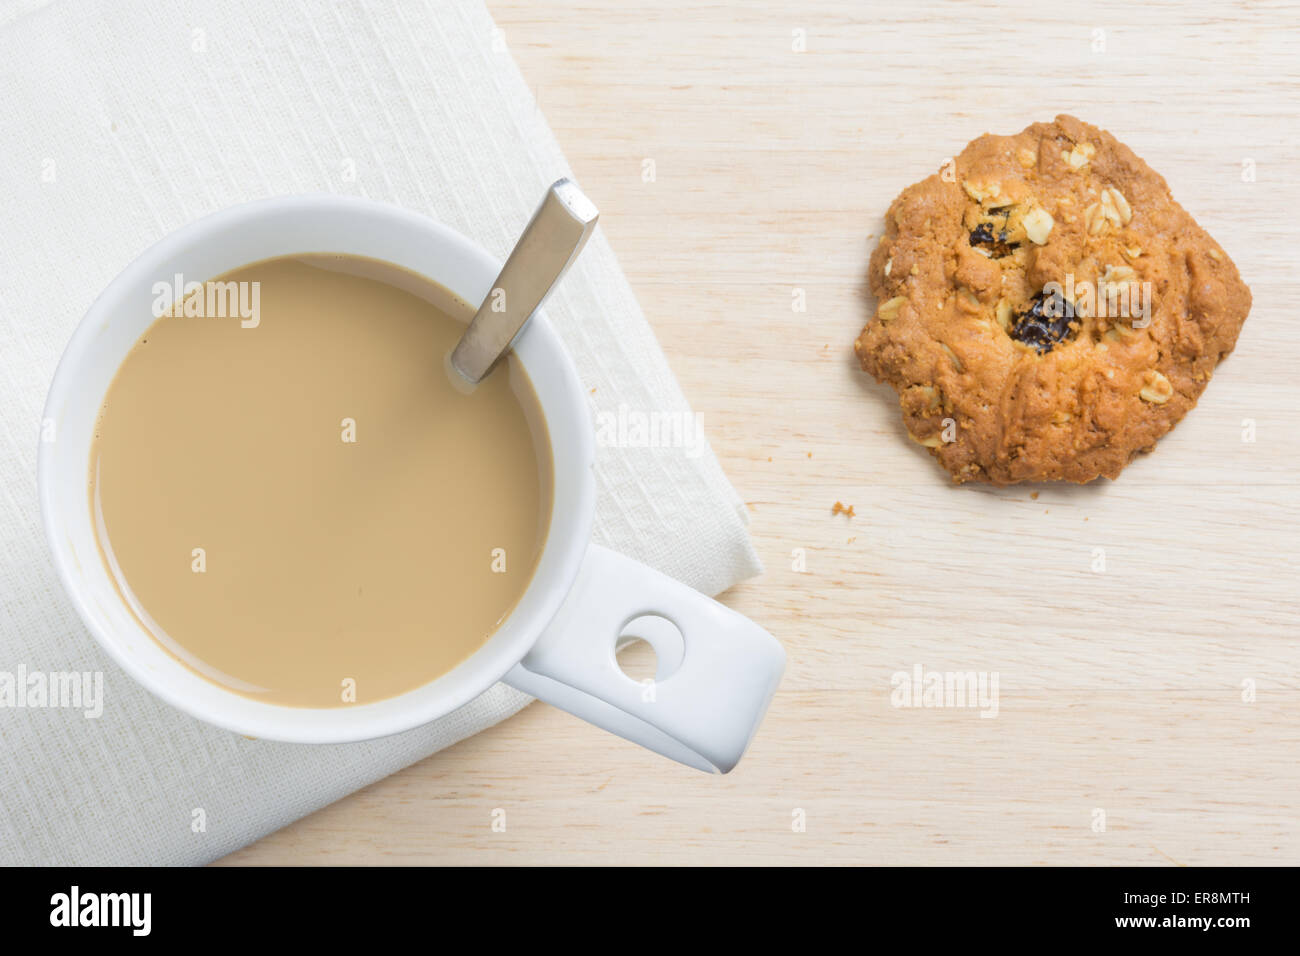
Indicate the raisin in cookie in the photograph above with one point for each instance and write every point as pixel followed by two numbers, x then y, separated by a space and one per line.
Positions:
pixel 1045 309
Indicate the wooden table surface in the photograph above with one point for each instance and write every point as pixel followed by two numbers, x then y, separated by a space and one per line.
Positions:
pixel 1144 632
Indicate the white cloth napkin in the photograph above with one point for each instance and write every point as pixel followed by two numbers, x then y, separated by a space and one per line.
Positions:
pixel 123 121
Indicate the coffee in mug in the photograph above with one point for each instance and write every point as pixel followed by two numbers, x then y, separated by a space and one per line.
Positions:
pixel 294 497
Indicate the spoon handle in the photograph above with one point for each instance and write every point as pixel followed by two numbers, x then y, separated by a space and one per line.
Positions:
pixel 550 242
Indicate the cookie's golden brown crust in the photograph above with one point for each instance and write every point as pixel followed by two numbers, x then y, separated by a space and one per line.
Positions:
pixel 965 254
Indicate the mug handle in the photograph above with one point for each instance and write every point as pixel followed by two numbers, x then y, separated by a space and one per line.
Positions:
pixel 717 669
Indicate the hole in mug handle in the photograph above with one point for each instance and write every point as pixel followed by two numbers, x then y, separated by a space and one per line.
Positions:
pixel 650 646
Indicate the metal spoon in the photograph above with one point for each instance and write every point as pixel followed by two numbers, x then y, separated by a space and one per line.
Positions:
pixel 550 242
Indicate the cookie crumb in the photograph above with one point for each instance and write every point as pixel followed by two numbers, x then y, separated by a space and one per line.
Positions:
pixel 839 508
pixel 1034 495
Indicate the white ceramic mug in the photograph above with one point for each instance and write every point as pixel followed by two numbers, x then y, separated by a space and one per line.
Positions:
pixel 717 669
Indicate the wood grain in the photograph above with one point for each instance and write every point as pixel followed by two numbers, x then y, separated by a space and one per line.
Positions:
pixel 1126 690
